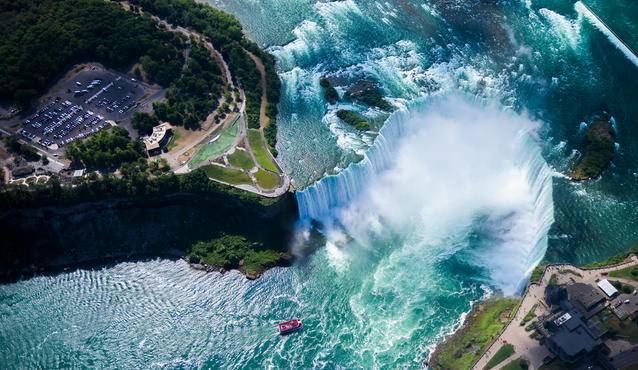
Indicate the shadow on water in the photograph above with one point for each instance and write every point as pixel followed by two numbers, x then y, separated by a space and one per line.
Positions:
pixel 97 235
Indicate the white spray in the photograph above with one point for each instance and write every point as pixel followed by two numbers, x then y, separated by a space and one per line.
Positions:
pixel 444 170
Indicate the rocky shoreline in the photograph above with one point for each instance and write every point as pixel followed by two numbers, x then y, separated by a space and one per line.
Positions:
pixel 483 323
pixel 286 261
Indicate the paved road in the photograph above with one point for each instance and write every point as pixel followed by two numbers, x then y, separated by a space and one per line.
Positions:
pixel 516 335
pixel 173 158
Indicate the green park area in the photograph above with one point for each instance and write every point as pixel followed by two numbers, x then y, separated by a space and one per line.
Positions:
pixel 228 175
pixel 467 345
pixel 241 159
pixel 518 364
pixel 218 144
pixel 501 355
pixel 259 150
pixel 266 180
pixel 629 273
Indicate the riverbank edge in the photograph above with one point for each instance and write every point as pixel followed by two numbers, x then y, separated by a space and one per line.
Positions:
pixel 478 310
pixel 281 212
pixel 285 261
pixel 449 346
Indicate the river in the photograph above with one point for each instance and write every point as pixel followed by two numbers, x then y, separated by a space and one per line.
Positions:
pixel 457 197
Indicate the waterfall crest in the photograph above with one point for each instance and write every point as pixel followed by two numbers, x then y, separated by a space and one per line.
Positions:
pixel 410 175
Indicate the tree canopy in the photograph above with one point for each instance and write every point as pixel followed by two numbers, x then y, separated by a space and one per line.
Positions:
pixel 42 38
pixel 106 149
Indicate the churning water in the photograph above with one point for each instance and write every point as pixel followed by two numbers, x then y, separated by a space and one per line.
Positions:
pixel 452 200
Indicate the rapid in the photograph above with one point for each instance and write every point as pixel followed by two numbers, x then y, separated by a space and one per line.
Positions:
pixel 454 196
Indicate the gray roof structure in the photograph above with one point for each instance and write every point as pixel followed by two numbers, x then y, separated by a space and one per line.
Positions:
pixel 571 339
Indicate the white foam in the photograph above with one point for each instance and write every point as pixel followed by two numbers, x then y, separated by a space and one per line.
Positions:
pixel 440 171
pixel 568 30
pixel 611 35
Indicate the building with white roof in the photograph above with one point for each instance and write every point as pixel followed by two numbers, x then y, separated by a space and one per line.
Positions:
pixel 158 139
pixel 607 288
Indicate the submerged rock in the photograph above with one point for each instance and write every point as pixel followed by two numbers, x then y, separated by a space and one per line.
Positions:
pixel 369 93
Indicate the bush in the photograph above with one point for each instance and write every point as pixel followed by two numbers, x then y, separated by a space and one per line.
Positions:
pixel 353 119
pixel 368 92
pixel 270 133
pixel 24 150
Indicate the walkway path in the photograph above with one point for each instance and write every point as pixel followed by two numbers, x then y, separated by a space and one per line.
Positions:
pixel 516 335
pixel 178 160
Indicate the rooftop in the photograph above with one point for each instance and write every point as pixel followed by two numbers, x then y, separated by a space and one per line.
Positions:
pixel 159 132
pixel 606 287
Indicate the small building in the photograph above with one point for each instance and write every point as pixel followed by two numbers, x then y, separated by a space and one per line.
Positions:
pixel 158 139
pixel 607 288
pixel 22 171
pixel 569 337
pixel 586 299
pixel 626 306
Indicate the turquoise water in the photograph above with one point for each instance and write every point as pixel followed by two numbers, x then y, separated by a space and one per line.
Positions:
pixel 449 203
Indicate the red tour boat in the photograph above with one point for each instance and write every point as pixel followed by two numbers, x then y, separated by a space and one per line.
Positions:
pixel 290 326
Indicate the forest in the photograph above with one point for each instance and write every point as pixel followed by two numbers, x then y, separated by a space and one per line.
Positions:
pixel 194 95
pixel 225 33
pixel 42 39
pixel 108 149
pixel 137 185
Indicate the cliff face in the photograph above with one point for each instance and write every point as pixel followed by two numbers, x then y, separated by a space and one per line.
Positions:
pixel 51 238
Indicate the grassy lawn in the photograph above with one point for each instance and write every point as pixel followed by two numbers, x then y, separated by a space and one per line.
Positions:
pixel 266 180
pixel 503 353
pixel 229 175
pixel 613 260
pixel 212 150
pixel 630 273
pixel 173 140
pixel 483 325
pixel 530 315
pixel 518 364
pixel 241 159
pixel 259 149
pixel 537 274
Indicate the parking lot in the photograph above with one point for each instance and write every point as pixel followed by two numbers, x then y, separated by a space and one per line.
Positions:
pixel 82 106
pixel 61 122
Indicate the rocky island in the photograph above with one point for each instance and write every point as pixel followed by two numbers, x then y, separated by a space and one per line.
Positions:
pixel 598 150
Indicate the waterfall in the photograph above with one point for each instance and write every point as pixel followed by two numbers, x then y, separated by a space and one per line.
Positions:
pixel 317 201
pixel 503 182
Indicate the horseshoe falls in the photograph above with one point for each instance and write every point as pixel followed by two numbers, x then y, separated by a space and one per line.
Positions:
pixel 453 197
pixel 452 175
